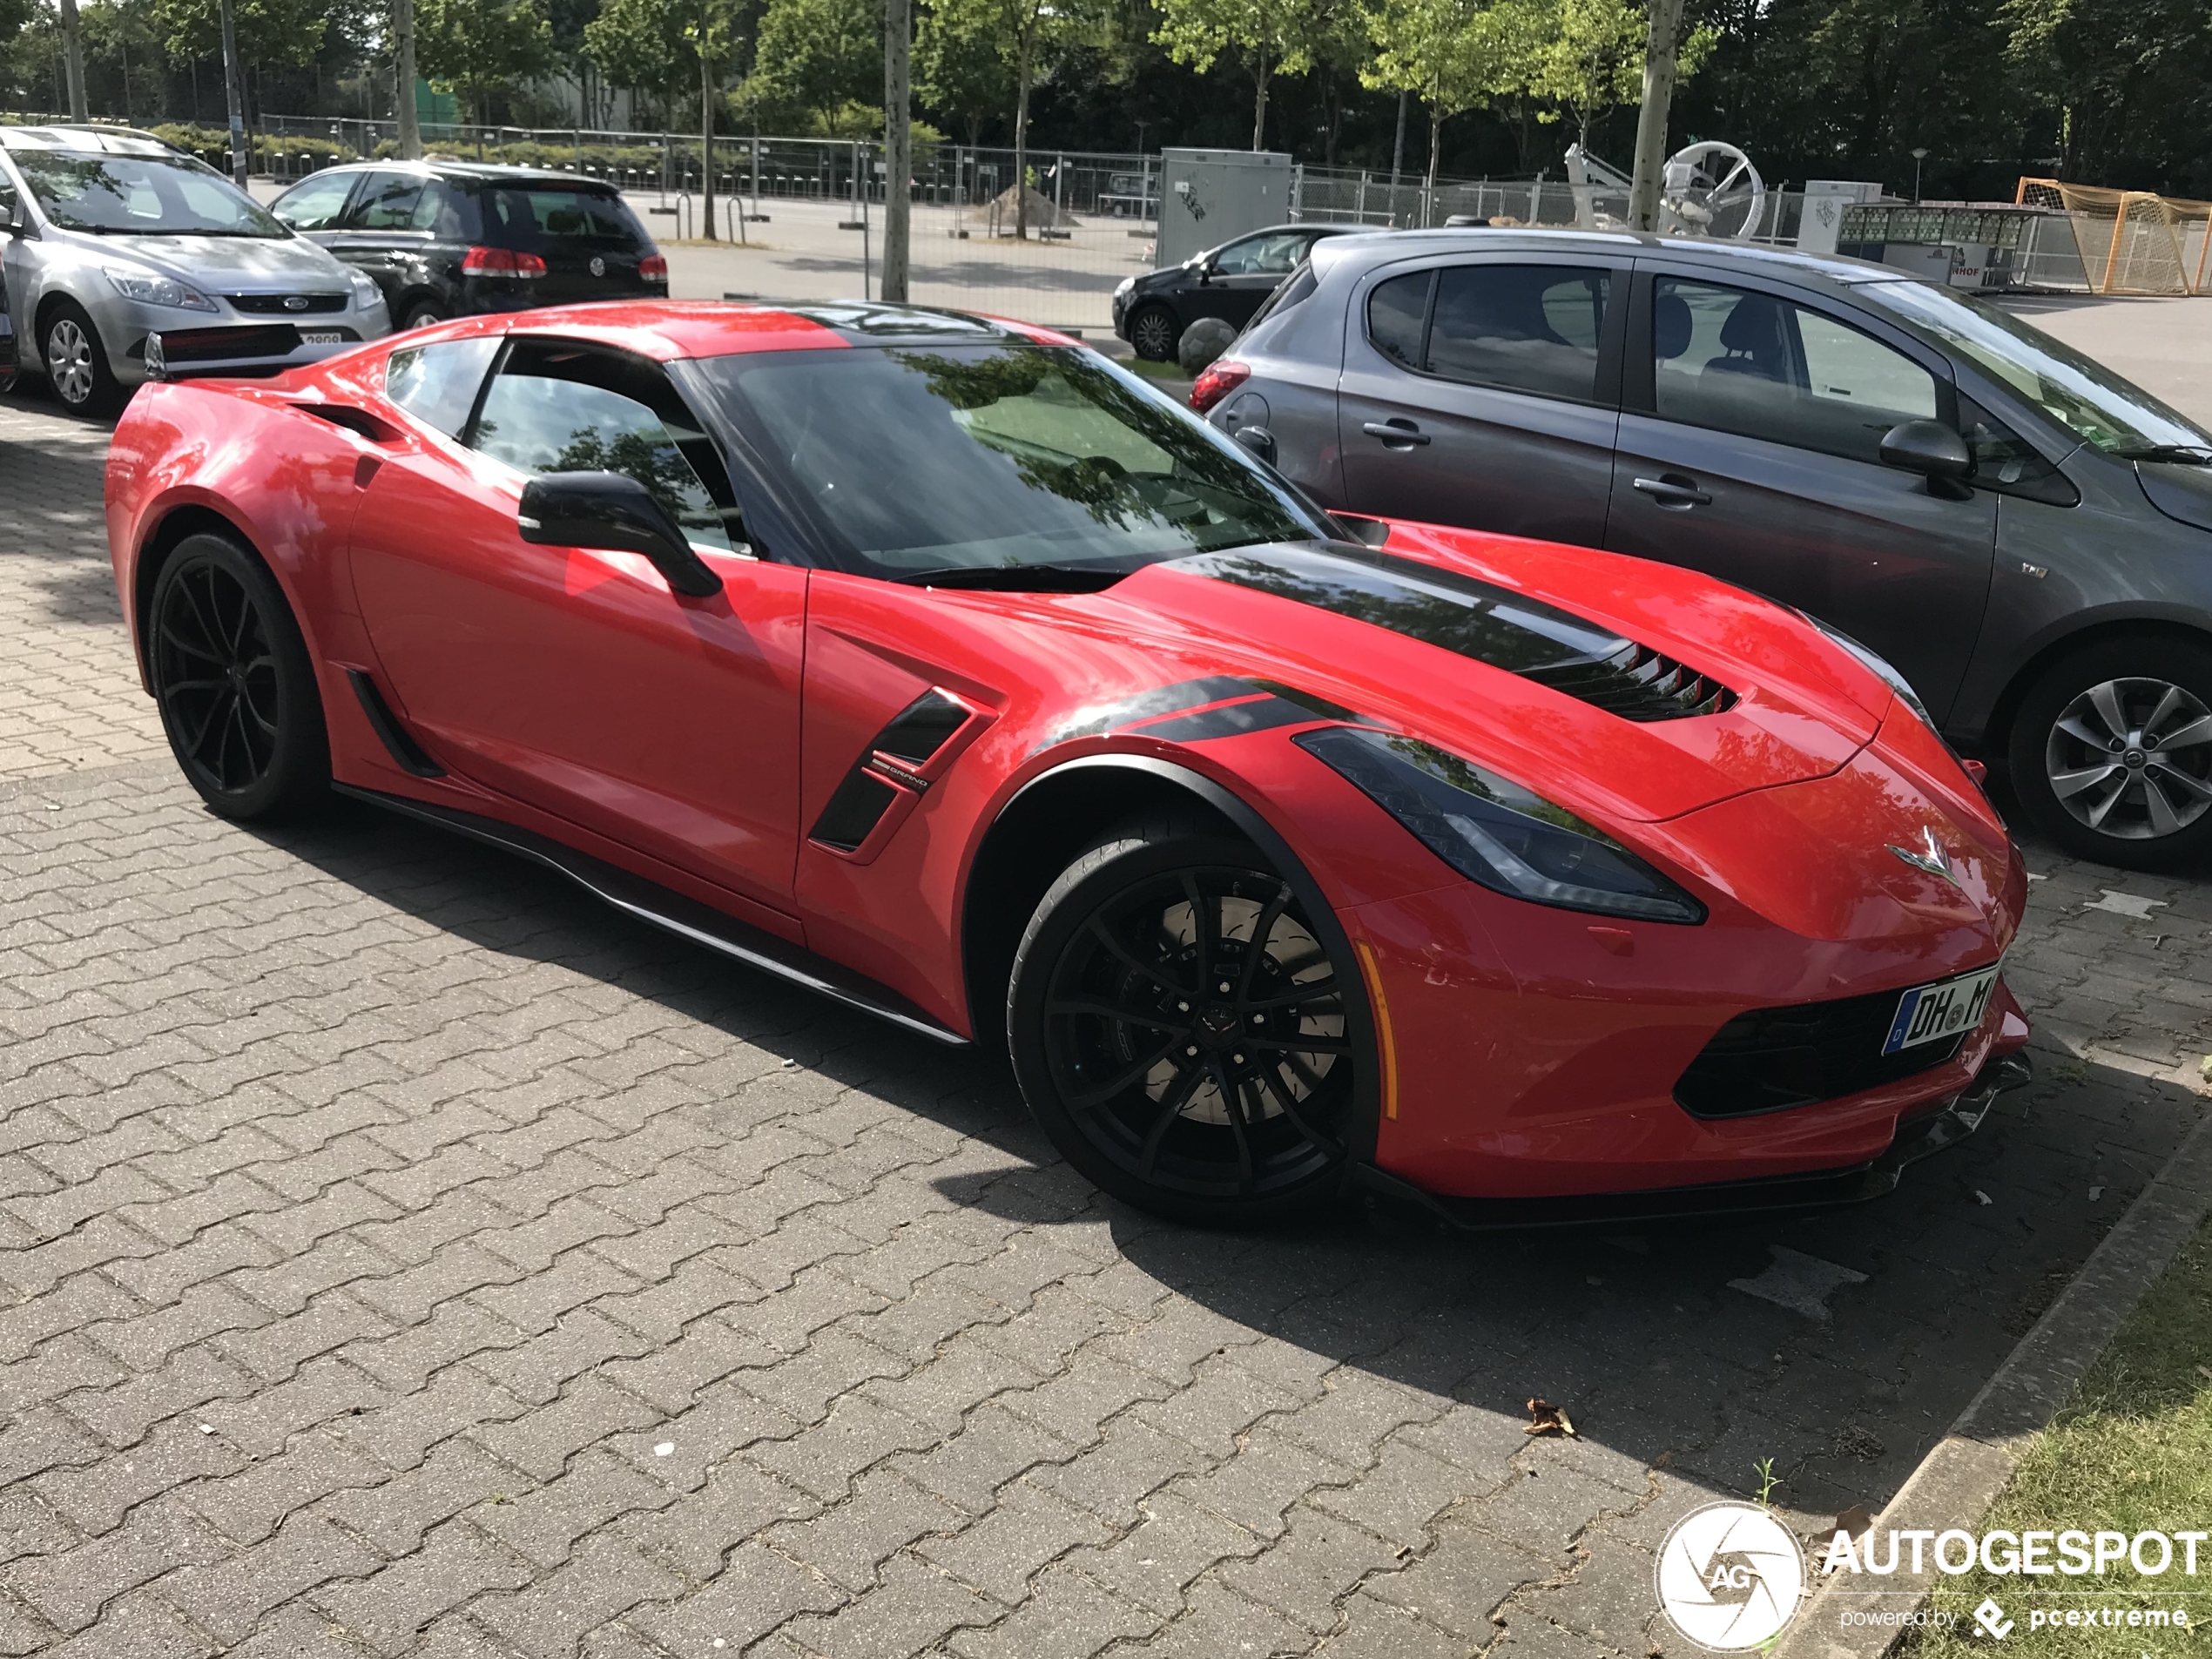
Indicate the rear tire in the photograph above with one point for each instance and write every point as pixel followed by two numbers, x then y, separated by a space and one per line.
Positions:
pixel 234 684
pixel 2112 753
pixel 421 315
pixel 1162 1087
pixel 1153 333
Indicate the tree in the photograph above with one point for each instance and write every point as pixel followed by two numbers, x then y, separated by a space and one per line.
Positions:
pixel 813 58
pixel 1453 54
pixel 480 47
pixel 1031 36
pixel 1270 37
pixel 637 44
pixel 270 32
pixel 1593 59
pixel 959 68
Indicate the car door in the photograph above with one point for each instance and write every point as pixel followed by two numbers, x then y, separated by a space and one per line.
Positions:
pixel 1245 272
pixel 383 232
pixel 1482 393
pixel 571 679
pixel 1753 415
pixel 316 206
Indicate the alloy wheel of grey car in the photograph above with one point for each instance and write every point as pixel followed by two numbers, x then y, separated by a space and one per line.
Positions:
pixel 75 365
pixel 2113 753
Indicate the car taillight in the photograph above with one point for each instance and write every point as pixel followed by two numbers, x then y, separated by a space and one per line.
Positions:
pixel 500 261
pixel 1221 378
pixel 653 268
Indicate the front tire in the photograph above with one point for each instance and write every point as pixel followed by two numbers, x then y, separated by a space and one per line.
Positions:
pixel 1182 1034
pixel 77 364
pixel 2112 753
pixel 421 315
pixel 234 684
pixel 1153 333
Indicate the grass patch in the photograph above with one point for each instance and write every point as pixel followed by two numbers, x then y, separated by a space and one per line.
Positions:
pixel 1153 371
pixel 2131 1452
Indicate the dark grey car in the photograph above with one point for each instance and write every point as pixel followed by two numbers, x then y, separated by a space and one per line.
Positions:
pixel 2025 537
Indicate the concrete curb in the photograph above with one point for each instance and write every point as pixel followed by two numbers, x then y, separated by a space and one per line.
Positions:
pixel 1959 1480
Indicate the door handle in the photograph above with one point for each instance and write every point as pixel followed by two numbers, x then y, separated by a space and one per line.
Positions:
pixel 1396 432
pixel 1674 492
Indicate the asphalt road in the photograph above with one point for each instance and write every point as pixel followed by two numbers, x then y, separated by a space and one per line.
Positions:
pixel 401 1254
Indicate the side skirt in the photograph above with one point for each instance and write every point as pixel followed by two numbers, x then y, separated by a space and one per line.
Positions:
pixel 1817 1190
pixel 651 902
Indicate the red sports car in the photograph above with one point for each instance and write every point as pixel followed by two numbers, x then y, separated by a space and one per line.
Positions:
pixel 944 667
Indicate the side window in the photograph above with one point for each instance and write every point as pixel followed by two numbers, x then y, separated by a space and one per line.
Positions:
pixel 437 384
pixel 316 204
pixel 2007 461
pixel 1526 327
pixel 386 203
pixel 555 407
pixel 1761 367
pixel 1276 255
pixel 439 210
pixel 1397 312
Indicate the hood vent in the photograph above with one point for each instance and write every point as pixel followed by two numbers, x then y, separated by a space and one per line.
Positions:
pixel 1477 619
pixel 1637 684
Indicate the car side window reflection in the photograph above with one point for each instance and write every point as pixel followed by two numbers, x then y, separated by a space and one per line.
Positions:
pixel 437 383
pixel 558 407
pixel 387 204
pixel 1276 255
pixel 316 204
pixel 1759 367
pixel 1521 328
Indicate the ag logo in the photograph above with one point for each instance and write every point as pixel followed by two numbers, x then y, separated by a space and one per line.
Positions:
pixel 1729 1576
pixel 1993 1621
pixel 598 267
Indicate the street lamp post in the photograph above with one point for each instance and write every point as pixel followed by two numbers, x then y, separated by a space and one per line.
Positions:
pixel 1918 156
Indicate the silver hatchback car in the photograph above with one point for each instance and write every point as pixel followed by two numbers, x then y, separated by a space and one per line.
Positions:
pixel 110 237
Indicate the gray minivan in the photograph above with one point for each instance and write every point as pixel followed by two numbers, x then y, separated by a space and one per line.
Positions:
pixel 2025 537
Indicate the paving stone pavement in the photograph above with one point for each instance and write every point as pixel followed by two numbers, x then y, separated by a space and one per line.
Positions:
pixel 400 1255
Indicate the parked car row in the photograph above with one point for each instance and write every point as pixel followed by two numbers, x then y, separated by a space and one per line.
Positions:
pixel 111 239
pixel 2025 537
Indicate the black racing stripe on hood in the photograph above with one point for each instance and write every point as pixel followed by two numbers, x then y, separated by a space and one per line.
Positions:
pixel 1476 619
pixel 1145 705
pixel 1229 720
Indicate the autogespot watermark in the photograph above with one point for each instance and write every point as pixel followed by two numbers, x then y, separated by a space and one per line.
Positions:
pixel 1731 1577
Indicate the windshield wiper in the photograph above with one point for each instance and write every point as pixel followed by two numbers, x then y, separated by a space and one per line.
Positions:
pixel 2188 455
pixel 1018 578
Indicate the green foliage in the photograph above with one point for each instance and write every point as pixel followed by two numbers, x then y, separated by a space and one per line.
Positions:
pixel 814 57
pixel 475 47
pixel 1590 59
pixel 636 43
pixel 1453 55
pixel 959 67
pixel 269 31
pixel 1269 38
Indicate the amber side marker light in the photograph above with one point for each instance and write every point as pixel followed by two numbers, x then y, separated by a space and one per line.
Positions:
pixel 1384 1040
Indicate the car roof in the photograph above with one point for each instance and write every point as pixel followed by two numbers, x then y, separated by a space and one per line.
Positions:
pixel 473 172
pixel 108 140
pixel 666 330
pixel 1374 247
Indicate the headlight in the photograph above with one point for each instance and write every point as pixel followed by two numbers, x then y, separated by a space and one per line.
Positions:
pixel 150 287
pixel 366 292
pixel 1897 683
pixel 1124 287
pixel 1493 831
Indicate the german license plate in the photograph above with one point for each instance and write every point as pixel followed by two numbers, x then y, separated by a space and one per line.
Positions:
pixel 1929 1012
pixel 320 337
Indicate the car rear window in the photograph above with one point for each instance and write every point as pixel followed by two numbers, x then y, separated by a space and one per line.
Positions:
pixel 533 218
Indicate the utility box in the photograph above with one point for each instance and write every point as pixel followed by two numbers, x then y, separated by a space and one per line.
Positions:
pixel 1825 199
pixel 1209 197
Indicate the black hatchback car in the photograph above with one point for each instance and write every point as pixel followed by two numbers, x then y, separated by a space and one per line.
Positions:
pixel 2023 535
pixel 1231 282
pixel 446 239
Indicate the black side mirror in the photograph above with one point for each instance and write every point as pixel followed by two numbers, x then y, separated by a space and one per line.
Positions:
pixel 1934 451
pixel 612 510
pixel 1259 441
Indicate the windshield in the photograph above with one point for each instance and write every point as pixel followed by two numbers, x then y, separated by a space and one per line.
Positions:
pixel 140 196
pixel 973 458
pixel 2087 399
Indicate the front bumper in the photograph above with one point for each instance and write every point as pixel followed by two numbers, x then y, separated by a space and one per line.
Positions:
pixel 1917 1138
pixel 226 342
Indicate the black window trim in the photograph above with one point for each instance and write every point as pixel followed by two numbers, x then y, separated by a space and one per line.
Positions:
pixel 1612 338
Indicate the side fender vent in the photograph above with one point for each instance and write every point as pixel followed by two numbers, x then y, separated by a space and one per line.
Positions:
pixel 406 753
pixel 894 770
pixel 854 810
pixel 1636 683
pixel 923 727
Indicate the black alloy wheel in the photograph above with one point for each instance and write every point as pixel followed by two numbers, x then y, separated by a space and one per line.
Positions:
pixel 235 687
pixel 1153 334
pixel 2112 753
pixel 1182 1032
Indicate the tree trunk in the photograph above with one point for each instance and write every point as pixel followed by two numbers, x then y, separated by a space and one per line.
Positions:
pixel 1435 151
pixel 234 86
pixel 706 126
pixel 1398 154
pixel 73 61
pixel 1660 44
pixel 898 148
pixel 1259 102
pixel 1022 138
pixel 403 78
